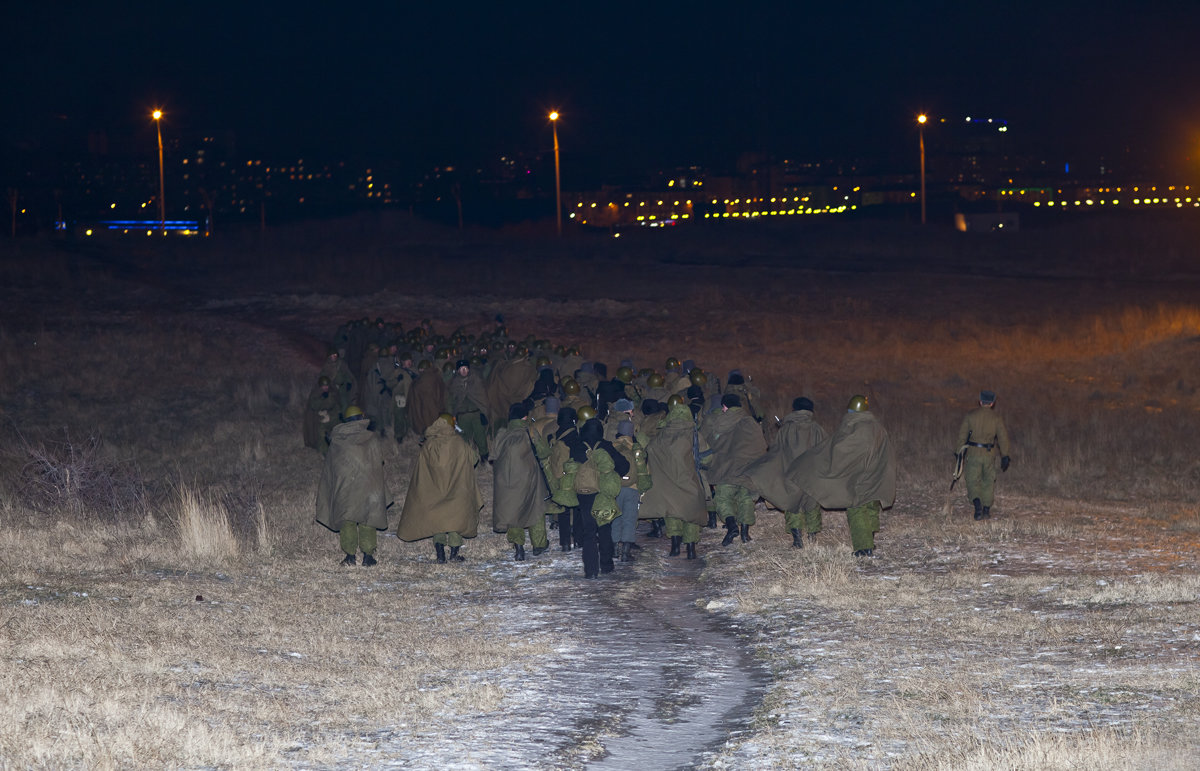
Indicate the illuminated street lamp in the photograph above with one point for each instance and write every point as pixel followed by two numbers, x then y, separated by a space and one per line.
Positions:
pixel 162 195
pixel 557 183
pixel 921 130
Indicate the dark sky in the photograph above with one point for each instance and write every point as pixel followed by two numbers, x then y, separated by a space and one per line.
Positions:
pixel 639 84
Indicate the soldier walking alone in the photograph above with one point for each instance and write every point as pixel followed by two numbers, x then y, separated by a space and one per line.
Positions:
pixel 983 437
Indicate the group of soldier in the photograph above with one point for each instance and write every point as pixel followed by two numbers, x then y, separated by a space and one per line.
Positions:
pixel 594 455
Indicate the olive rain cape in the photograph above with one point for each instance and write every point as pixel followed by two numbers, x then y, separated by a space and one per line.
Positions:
pixel 509 382
pixel 443 496
pixel 767 475
pixel 519 487
pixel 426 400
pixel 736 441
pixel 853 467
pixel 351 488
pixel 677 491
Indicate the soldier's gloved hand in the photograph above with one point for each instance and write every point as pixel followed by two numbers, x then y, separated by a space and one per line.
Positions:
pixel 482 419
pixel 1004 463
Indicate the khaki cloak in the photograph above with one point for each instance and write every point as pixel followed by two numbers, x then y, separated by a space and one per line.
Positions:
pixel 853 467
pixel 443 496
pixel 352 488
pixel 797 433
pixel 677 491
pixel 519 488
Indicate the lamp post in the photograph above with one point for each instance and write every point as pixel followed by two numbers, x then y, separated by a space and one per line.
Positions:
pixel 162 195
pixel 557 182
pixel 921 131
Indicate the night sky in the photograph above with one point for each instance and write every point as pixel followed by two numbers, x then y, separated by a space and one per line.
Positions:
pixel 640 85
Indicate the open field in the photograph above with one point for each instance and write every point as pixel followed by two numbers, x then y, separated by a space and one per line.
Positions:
pixel 166 599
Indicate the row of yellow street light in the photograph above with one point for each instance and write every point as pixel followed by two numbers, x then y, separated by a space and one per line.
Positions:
pixel 554 115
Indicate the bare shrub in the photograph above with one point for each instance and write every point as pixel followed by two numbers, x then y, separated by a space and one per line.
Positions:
pixel 76 479
pixel 204 529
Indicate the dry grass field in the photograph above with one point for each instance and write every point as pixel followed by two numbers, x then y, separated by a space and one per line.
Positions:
pixel 167 601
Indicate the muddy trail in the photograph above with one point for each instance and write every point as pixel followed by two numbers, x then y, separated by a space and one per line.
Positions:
pixel 640 675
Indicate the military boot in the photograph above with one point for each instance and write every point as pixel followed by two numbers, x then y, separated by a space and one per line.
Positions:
pixel 519 552
pixel 712 520
pixel 539 549
pixel 676 540
pixel 978 508
pixel 731 531
pixel 441 551
pixel 350 560
pixel 655 528
pixel 691 550
pixel 987 512
pixel 456 557
pixel 368 560
pixel 627 552
pixel 746 534
pixel 797 541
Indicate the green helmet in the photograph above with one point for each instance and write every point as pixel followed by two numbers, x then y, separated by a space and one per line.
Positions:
pixel 324 380
pixel 570 387
pixel 543 361
pixel 858 403
pixel 675 399
pixel 353 412
pixel 655 380
pixel 625 374
pixel 424 365
pixel 574 351
pixel 698 377
pixel 586 412
pixel 446 416
pixel 672 363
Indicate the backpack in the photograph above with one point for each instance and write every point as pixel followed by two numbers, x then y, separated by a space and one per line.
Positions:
pixel 587 476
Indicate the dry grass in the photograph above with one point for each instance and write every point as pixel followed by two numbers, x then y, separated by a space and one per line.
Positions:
pixel 963 646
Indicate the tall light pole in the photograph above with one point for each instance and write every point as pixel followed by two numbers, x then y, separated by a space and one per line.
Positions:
pixel 162 188
pixel 557 182
pixel 921 130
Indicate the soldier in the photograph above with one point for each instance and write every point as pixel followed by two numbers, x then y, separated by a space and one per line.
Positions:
pixel 677 492
pixel 351 495
pixel 736 442
pixel 853 470
pixel 633 484
pixel 400 383
pixel 466 400
pixel 376 396
pixel 560 446
pixel 737 383
pixel 443 497
pixel 340 379
pixel 324 408
pixel 426 398
pixel 983 437
pixel 518 485
pixel 597 508
pixel 619 411
pixel 797 433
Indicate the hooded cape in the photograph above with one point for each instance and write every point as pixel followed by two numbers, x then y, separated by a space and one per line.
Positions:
pixel 853 467
pixel 351 488
pixel 443 496
pixel 677 491
pixel 797 433
pixel 519 489
pixel 426 400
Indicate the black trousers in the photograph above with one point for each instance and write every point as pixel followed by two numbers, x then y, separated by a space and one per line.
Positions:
pixel 594 540
pixel 564 527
